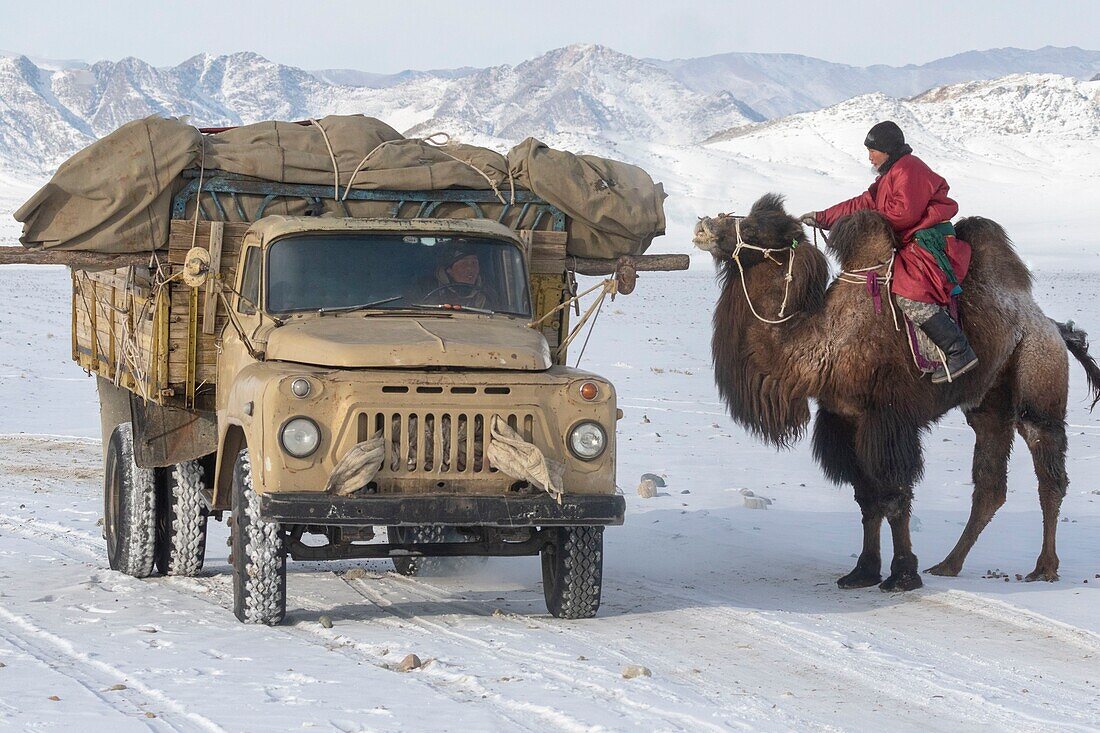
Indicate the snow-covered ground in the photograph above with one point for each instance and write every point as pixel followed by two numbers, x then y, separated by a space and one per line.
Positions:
pixel 733 609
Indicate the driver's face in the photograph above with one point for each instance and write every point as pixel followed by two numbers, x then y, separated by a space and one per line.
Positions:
pixel 465 270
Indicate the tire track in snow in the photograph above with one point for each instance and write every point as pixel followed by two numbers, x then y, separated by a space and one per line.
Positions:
pixel 827 653
pixel 543 666
pixel 93 674
pixel 754 707
pixel 360 652
pixel 1006 613
pixel 122 702
pixel 51 535
pixel 875 672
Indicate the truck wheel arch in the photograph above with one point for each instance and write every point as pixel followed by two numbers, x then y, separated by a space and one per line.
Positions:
pixel 232 444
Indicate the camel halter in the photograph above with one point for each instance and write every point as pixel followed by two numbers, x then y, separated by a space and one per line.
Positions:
pixel 875 283
pixel 768 255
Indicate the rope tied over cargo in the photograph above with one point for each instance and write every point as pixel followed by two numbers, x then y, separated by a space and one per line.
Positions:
pixel 607 287
pixel 438 141
pixel 332 157
pixel 198 193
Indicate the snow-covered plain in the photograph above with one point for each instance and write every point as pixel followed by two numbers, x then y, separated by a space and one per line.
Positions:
pixel 733 609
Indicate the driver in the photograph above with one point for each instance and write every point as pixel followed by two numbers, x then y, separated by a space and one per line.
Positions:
pixel 458 279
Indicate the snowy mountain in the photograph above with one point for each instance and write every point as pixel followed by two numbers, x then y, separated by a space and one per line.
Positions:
pixel 953 120
pixel 47 113
pixel 584 95
pixel 356 78
pixel 780 84
pixel 586 90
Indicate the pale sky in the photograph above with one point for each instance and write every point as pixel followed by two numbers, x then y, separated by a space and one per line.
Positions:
pixel 418 34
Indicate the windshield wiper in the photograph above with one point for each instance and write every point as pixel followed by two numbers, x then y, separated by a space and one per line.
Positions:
pixel 362 306
pixel 455 308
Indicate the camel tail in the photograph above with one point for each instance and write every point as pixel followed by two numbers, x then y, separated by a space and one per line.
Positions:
pixel 1077 342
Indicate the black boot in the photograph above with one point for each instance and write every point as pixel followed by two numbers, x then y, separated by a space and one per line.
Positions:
pixel 946 334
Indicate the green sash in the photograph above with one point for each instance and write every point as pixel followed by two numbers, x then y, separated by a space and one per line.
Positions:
pixel 934 241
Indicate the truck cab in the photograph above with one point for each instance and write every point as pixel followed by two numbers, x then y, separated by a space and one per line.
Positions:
pixel 416 334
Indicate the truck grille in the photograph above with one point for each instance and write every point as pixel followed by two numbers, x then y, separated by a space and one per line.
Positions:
pixel 420 442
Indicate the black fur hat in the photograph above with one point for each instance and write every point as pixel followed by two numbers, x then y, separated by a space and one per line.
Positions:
pixel 455 252
pixel 886 137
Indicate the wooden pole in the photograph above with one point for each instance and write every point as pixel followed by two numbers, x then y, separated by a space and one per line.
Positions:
pixel 640 263
pixel 74 259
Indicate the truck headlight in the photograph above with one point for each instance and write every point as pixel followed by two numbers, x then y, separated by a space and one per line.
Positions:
pixel 300 437
pixel 587 441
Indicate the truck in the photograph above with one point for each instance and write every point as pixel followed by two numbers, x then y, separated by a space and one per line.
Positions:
pixel 340 388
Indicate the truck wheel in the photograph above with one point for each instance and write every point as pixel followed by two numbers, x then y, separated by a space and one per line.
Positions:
pixel 181 519
pixel 572 571
pixel 413 566
pixel 129 507
pixel 258 555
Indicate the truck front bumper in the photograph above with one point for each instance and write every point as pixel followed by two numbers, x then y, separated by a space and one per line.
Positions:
pixel 446 510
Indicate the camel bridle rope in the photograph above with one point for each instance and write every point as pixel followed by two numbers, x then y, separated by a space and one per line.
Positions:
pixel 864 276
pixel 769 254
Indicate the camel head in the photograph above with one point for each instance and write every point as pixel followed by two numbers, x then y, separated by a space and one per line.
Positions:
pixel 766 310
pixel 767 225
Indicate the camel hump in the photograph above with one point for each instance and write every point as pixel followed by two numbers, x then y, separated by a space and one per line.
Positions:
pixel 993 254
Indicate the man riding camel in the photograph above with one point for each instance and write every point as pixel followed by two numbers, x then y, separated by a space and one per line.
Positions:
pixel 931 262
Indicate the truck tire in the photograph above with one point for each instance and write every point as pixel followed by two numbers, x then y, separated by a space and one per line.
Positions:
pixel 572 571
pixel 412 566
pixel 258 554
pixel 181 519
pixel 129 507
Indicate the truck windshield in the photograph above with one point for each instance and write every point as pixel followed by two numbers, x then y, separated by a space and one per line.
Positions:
pixel 393 271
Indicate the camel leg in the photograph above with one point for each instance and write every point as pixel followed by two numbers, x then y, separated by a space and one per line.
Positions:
pixel 1047 442
pixel 1041 419
pixel 868 569
pixel 992 422
pixel 903 569
pixel 834 448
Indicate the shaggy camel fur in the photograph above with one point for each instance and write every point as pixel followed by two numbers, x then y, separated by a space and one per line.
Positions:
pixel 873 406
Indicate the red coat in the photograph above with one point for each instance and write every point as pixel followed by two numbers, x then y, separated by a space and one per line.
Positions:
pixel 912 197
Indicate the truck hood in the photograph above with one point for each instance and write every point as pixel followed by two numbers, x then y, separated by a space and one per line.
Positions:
pixel 476 342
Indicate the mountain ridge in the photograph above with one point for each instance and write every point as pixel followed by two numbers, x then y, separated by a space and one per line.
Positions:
pixel 586 96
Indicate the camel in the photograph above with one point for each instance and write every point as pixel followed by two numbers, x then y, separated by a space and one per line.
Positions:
pixel 783 335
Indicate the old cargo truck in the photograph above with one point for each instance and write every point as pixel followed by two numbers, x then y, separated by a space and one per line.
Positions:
pixel 313 379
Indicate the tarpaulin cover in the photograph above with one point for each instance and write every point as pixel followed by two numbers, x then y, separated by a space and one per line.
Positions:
pixel 115 196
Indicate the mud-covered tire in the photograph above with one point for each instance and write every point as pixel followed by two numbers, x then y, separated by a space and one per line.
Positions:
pixel 572 571
pixel 258 554
pixel 411 565
pixel 129 507
pixel 181 519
